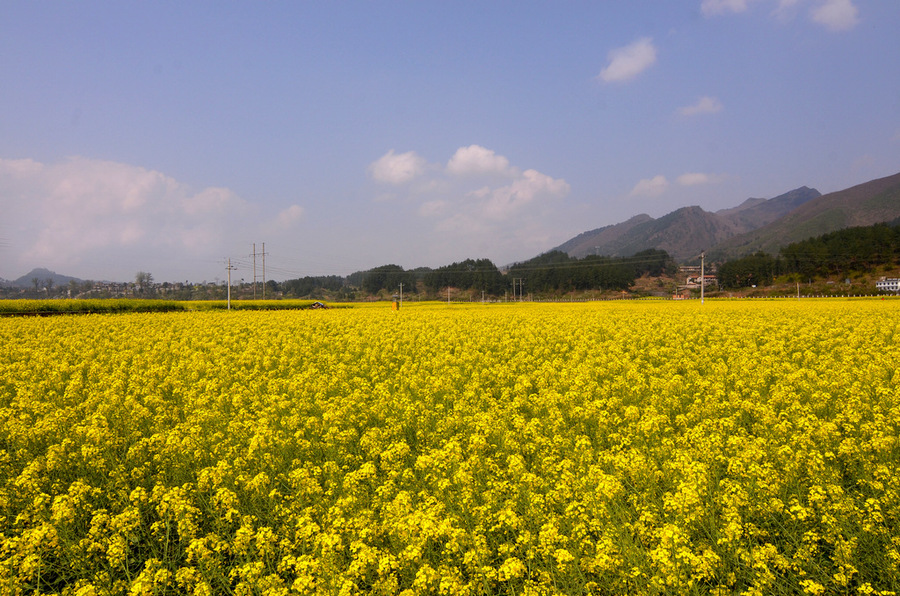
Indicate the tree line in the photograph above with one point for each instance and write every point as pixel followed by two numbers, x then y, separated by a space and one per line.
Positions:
pixel 554 271
pixel 842 252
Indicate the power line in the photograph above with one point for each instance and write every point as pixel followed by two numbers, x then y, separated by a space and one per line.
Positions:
pixel 229 269
pixel 702 275
pixel 253 255
pixel 520 281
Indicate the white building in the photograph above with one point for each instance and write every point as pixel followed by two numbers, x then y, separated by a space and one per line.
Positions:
pixel 708 280
pixel 888 284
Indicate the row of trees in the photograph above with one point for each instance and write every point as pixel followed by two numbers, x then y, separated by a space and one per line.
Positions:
pixel 86 289
pixel 389 277
pixel 306 286
pixel 842 252
pixel 554 271
pixel 557 271
pixel 471 274
pixel 837 253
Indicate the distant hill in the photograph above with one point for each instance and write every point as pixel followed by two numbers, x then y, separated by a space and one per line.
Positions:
pixel 686 231
pixel 755 213
pixel 598 241
pixel 43 275
pixel 862 205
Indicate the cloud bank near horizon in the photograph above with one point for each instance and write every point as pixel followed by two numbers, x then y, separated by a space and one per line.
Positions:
pixel 88 217
pixel 79 212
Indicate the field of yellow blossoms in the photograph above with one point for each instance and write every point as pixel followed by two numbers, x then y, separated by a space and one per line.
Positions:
pixel 607 448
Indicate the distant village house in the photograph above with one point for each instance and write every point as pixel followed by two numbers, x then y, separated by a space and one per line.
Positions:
pixel 888 284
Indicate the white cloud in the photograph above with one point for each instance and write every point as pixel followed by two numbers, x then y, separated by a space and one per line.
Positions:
pixel 504 201
pixel 20 168
pixel 479 201
pixel 392 168
pixel 475 159
pixel 785 10
pixel 704 105
pixel 713 7
pixel 837 15
pixel 103 219
pixel 290 216
pixel 208 200
pixel 94 204
pixel 654 187
pixel 650 187
pixel 627 62
pixel 693 179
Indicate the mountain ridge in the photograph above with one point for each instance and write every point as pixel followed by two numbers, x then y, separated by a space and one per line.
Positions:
pixel 754 225
pixel 685 232
pixel 864 204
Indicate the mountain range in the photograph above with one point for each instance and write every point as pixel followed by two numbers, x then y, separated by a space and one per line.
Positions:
pixel 756 224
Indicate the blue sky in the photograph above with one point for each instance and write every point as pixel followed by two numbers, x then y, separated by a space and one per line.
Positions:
pixel 168 137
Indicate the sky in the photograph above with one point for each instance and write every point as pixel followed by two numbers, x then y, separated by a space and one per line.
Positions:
pixel 170 137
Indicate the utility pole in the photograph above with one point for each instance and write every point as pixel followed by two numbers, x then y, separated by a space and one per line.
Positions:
pixel 264 270
pixel 702 276
pixel 254 270
pixel 401 294
pixel 229 268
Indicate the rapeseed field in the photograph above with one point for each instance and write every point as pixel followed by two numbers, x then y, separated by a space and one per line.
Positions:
pixel 608 448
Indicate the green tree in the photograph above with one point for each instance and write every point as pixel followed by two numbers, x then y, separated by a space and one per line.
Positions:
pixel 143 282
pixel 471 274
pixel 388 277
pixel 757 269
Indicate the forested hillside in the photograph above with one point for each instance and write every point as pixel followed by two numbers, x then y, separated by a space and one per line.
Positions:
pixel 838 253
pixel 557 271
pixel 865 204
